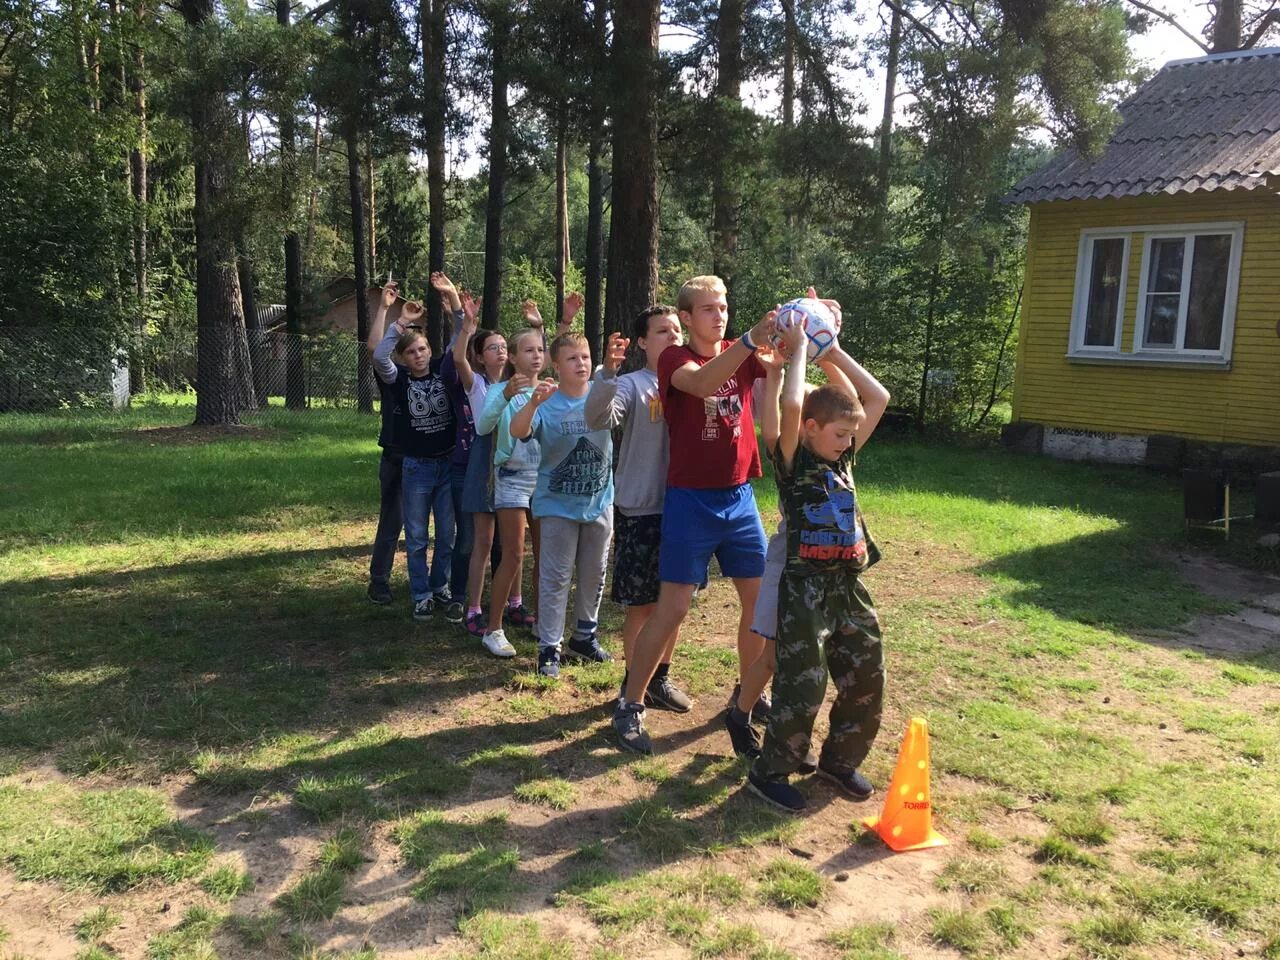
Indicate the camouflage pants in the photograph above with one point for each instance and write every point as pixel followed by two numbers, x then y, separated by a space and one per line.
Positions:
pixel 825 622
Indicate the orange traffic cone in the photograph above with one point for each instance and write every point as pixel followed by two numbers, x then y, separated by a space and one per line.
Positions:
pixel 906 822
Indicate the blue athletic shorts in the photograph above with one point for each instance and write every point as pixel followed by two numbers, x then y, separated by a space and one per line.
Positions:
pixel 698 523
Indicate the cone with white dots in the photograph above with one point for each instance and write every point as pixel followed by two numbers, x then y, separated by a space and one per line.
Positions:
pixel 906 822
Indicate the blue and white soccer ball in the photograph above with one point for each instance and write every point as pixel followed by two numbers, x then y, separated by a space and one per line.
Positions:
pixel 817 319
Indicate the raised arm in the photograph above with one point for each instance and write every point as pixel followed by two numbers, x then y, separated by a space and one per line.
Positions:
pixel 385 303
pixel 874 397
pixel 495 402
pixel 767 410
pixel 791 403
pixel 607 405
pixel 703 381
pixel 462 341
pixel 522 419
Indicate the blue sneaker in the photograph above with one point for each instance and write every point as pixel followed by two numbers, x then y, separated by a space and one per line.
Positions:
pixel 549 662
pixel 777 793
pixel 588 649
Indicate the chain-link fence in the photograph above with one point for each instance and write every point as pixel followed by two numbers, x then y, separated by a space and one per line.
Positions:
pixel 42 370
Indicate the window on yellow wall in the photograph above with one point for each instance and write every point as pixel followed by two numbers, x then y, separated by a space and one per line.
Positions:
pixel 1185 301
pixel 1099 302
pixel 1189 278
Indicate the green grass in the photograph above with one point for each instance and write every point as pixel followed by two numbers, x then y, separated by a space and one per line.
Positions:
pixel 790 885
pixel 865 941
pixel 225 883
pixel 103 840
pixel 318 894
pixel 191 939
pixel 93 926
pixel 552 792
pixel 193 616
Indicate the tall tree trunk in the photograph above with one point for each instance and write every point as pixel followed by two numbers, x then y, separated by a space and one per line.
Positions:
pixel 789 108
pixel 633 224
pixel 930 323
pixel 223 386
pixel 724 193
pixel 295 387
pixel 252 323
pixel 593 305
pixel 1227 26
pixel 315 183
pixel 432 15
pixel 364 363
pixel 500 30
pixel 884 167
pixel 561 264
pixel 138 184
pixel 373 214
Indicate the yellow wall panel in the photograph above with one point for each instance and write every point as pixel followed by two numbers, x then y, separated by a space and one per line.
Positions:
pixel 1236 405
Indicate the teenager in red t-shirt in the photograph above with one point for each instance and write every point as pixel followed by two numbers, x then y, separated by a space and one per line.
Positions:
pixel 709 507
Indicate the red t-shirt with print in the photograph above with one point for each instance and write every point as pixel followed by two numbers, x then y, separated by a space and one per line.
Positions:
pixel 713 441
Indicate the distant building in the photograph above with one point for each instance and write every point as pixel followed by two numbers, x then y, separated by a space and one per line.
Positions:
pixel 1151 316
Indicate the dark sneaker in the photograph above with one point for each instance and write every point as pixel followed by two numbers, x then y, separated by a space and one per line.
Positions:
pixel 667 696
pixel 851 782
pixel 808 765
pixel 759 712
pixel 743 736
pixel 454 611
pixel 380 594
pixel 519 617
pixel 588 649
pixel 778 793
pixel 476 625
pixel 628 724
pixel 549 662
pixel 424 608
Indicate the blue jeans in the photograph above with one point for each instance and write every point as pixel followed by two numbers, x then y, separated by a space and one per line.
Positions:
pixel 426 491
pixel 466 536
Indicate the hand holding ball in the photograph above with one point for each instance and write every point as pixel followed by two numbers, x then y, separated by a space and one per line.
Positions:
pixel 817 320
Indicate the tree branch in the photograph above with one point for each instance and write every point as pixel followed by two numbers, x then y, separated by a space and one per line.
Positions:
pixel 1168 18
pixel 1267 21
pixel 915 22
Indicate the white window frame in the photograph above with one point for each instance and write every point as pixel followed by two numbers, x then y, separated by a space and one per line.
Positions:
pixel 1137 354
pixel 1187 232
pixel 1084 278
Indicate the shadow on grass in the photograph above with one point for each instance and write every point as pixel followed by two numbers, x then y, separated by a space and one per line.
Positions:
pixel 222 652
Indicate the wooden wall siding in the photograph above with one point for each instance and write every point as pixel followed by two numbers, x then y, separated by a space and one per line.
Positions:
pixel 1240 404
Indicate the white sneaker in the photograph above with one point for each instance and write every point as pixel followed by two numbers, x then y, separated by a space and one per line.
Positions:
pixel 496 642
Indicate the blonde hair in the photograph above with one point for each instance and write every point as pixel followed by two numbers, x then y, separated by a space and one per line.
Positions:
pixel 703 284
pixel 564 340
pixel 830 402
pixel 513 346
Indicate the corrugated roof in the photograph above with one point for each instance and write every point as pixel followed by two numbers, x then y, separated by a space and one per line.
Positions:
pixel 1212 123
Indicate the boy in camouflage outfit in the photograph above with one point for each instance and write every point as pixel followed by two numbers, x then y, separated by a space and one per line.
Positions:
pixel 826 620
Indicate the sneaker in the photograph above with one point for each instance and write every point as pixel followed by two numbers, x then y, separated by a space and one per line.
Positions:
pixel 454 611
pixel 476 625
pixel 628 724
pixel 549 662
pixel 588 649
pixel 496 643
pixel 743 736
pixel 424 608
pixel 851 782
pixel 380 594
pixel 759 713
pixel 808 765
pixel 777 792
pixel 665 694
pixel 519 617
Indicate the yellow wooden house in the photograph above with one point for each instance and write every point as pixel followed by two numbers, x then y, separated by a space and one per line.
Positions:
pixel 1150 321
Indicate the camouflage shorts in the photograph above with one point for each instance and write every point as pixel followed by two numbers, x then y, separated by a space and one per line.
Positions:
pixel 635 566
